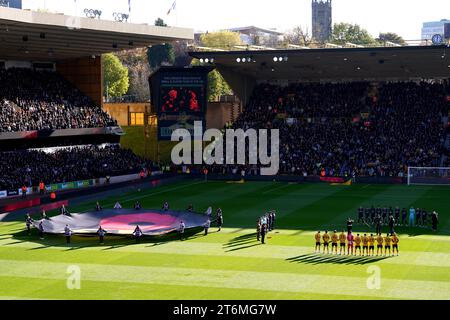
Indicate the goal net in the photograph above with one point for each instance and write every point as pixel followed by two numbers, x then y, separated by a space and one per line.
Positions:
pixel 428 176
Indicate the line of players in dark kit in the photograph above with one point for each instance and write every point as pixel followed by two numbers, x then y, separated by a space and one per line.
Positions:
pixel 414 217
pixel 265 224
pixel 137 233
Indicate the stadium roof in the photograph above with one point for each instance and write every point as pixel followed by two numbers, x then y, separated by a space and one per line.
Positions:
pixel 336 64
pixel 30 35
pixel 253 29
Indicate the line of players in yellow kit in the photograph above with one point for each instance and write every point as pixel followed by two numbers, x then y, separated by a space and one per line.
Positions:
pixel 354 243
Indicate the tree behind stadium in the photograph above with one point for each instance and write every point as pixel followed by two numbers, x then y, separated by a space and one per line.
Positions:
pixel 217 86
pixel 353 33
pixel 391 37
pixel 162 53
pixel 116 79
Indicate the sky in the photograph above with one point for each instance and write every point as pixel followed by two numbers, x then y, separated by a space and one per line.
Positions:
pixel 404 17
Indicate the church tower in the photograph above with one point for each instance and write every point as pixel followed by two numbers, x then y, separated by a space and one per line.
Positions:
pixel 321 20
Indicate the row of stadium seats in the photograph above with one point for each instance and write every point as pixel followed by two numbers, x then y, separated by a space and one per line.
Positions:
pixel 42 100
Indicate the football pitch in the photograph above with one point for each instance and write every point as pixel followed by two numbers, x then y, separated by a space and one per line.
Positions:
pixel 231 264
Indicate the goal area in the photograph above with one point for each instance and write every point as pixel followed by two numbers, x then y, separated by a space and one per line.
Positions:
pixel 429 176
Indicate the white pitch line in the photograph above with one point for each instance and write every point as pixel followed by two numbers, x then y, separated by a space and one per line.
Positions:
pixel 153 193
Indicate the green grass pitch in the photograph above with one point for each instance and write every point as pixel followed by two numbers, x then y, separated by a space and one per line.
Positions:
pixel 231 264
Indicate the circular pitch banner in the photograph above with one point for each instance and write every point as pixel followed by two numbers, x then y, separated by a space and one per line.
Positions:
pixel 123 221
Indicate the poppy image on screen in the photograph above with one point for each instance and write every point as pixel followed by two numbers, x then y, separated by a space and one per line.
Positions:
pixel 182 99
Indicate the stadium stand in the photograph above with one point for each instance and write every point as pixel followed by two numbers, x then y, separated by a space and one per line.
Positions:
pixel 43 100
pixel 359 128
pixel 29 167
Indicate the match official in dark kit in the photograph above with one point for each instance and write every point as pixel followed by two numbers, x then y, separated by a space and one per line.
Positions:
pixel 378 224
pixel 41 231
pixel 258 229
pixel 263 232
pixel 206 226
pixel 181 229
pixel 219 219
pixel 137 233
pixel 101 234
pixel 67 233
pixel 28 222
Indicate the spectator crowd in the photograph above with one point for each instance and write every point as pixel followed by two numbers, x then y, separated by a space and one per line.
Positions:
pixel 351 129
pixel 332 129
pixel 43 100
pixel 65 165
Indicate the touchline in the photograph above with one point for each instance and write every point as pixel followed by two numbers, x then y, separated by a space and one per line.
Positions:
pixel 235 143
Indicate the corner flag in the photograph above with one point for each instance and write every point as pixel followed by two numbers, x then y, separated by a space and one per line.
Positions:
pixel 173 7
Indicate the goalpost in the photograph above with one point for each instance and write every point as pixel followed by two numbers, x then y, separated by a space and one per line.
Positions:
pixel 429 176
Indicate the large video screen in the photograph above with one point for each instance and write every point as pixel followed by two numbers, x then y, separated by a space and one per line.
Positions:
pixel 180 99
pixel 179 95
pixel 182 92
